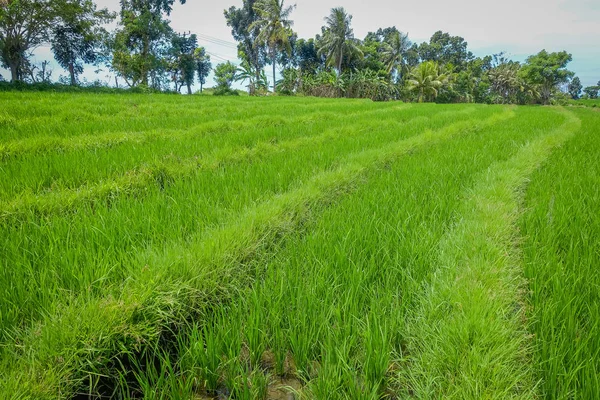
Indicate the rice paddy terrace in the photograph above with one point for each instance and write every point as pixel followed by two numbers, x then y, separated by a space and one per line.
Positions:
pixel 169 247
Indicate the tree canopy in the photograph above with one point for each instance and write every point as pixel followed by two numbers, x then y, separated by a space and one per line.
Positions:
pixel 145 51
pixel 338 43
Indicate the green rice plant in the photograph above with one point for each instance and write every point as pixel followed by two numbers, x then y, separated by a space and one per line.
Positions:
pixel 213 263
pixel 138 180
pixel 468 337
pixel 68 170
pixel 169 247
pixel 377 352
pixel 116 218
pixel 202 357
pixel 560 247
pixel 254 331
pixel 327 291
pixel 54 263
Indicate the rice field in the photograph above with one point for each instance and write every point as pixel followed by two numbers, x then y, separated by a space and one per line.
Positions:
pixel 170 247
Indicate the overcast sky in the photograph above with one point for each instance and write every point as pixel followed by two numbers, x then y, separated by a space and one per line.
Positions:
pixel 518 27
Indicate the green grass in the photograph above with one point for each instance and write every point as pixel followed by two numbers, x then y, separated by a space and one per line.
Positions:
pixel 174 247
pixel 561 252
pixel 587 102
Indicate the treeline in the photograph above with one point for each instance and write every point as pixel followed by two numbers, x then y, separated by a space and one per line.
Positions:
pixel 144 52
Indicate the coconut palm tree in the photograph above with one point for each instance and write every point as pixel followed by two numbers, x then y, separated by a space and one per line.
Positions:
pixel 246 73
pixel 426 80
pixel 338 41
pixel 395 47
pixel 274 26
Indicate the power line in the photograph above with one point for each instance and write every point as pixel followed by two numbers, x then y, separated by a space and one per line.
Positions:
pixel 217 41
pixel 223 58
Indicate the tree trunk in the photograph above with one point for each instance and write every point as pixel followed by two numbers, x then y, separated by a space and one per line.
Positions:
pixel 72 74
pixel 14 72
pixel 189 88
pixel 273 75
pixel 145 51
pixel 257 79
pixel 200 86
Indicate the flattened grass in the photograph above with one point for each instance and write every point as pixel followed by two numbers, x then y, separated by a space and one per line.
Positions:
pixel 468 338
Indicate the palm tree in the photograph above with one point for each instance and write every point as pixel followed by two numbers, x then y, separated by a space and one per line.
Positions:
pixel 274 27
pixel 505 81
pixel 395 47
pixel 338 41
pixel 255 84
pixel 426 80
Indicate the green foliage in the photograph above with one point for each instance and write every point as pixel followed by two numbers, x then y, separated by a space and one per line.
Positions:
pixel 445 49
pixel 256 85
pixel 308 59
pixel 395 48
pixel 249 49
pixel 290 82
pixel 508 86
pixel 141 45
pixel 225 74
pixel 203 65
pixel 575 87
pixel 426 80
pixel 338 44
pixel 548 71
pixel 24 25
pixel 77 35
pixel 183 62
pixel 592 91
pixel 368 84
pixel 274 27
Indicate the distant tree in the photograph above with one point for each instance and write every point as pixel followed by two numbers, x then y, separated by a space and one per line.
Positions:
pixel 24 25
pixel 505 82
pixel 225 74
pixel 40 73
pixel 548 71
pixel 338 40
pixel 575 88
pixel 445 49
pixel 289 59
pixel 592 91
pixel 245 73
pixel 309 61
pixel 395 48
pixel 249 48
pixel 77 34
pixel 426 81
pixel 203 65
pixel 182 63
pixel 142 42
pixel 273 25
pixel 372 60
